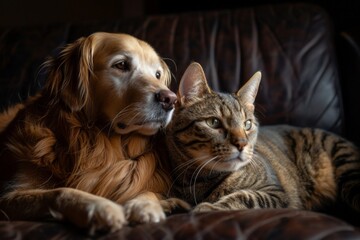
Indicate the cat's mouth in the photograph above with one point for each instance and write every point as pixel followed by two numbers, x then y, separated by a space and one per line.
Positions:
pixel 235 159
pixel 237 156
pixel 233 162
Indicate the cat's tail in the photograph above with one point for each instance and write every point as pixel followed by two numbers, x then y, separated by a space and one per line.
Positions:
pixel 346 160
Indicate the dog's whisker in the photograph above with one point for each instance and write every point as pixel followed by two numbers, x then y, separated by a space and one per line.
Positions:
pixel 172 61
pixel 123 112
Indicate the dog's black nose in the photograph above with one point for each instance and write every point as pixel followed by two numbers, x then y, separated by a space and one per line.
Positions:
pixel 166 98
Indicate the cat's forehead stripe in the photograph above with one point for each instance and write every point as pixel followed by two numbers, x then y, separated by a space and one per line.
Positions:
pixel 236 101
pixel 232 103
pixel 225 109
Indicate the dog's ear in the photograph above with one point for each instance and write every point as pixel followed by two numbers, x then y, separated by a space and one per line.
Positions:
pixel 69 74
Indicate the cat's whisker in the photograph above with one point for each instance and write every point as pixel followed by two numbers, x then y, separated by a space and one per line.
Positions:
pixel 198 170
pixel 213 167
pixel 188 164
pixel 182 168
pixel 201 165
pixel 183 165
pixel 255 162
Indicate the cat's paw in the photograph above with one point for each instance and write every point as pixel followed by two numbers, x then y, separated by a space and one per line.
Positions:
pixel 143 211
pixel 175 204
pixel 205 207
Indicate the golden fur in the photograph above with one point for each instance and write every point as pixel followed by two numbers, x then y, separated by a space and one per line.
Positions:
pixel 89 131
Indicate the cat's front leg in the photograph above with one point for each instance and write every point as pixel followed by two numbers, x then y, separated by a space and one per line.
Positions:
pixel 247 199
pixel 217 206
pixel 175 205
pixel 206 207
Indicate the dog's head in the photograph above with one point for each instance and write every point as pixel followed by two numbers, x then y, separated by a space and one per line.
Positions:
pixel 115 77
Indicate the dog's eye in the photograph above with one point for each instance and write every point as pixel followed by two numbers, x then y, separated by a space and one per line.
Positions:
pixel 122 65
pixel 158 74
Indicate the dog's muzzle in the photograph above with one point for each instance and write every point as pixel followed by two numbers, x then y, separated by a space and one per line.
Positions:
pixel 166 98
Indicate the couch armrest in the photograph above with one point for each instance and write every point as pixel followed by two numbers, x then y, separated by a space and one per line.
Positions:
pixel 348 51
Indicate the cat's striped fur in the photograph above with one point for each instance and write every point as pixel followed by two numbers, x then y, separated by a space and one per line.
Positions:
pixel 223 160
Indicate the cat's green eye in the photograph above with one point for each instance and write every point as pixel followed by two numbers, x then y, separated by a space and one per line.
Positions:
pixel 213 122
pixel 247 125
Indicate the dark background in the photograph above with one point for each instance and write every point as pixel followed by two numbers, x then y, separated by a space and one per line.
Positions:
pixel 345 13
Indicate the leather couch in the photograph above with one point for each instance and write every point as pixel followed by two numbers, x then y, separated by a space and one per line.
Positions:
pixel 309 79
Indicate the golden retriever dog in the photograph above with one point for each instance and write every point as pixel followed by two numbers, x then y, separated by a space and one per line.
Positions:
pixel 81 150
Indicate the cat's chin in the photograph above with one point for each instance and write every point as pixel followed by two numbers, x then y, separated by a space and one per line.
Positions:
pixel 230 165
pixel 234 162
pixel 237 164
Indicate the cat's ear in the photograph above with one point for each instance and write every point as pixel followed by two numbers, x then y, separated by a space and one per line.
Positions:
pixel 193 84
pixel 248 92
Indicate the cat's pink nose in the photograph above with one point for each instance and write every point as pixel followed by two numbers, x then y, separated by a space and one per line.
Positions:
pixel 166 98
pixel 240 144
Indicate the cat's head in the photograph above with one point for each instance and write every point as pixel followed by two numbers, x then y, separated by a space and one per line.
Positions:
pixel 216 131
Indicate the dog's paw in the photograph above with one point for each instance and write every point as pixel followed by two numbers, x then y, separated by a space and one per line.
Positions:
pixel 143 211
pixel 105 216
pixel 94 215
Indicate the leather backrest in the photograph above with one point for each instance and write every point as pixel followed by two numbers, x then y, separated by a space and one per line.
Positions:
pixel 291 44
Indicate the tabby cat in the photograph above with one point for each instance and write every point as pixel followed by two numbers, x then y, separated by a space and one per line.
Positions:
pixel 223 160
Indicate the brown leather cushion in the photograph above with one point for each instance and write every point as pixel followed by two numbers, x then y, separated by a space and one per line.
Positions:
pixel 247 224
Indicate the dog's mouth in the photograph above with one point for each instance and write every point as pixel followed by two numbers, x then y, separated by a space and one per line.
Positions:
pixel 146 125
pixel 146 128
